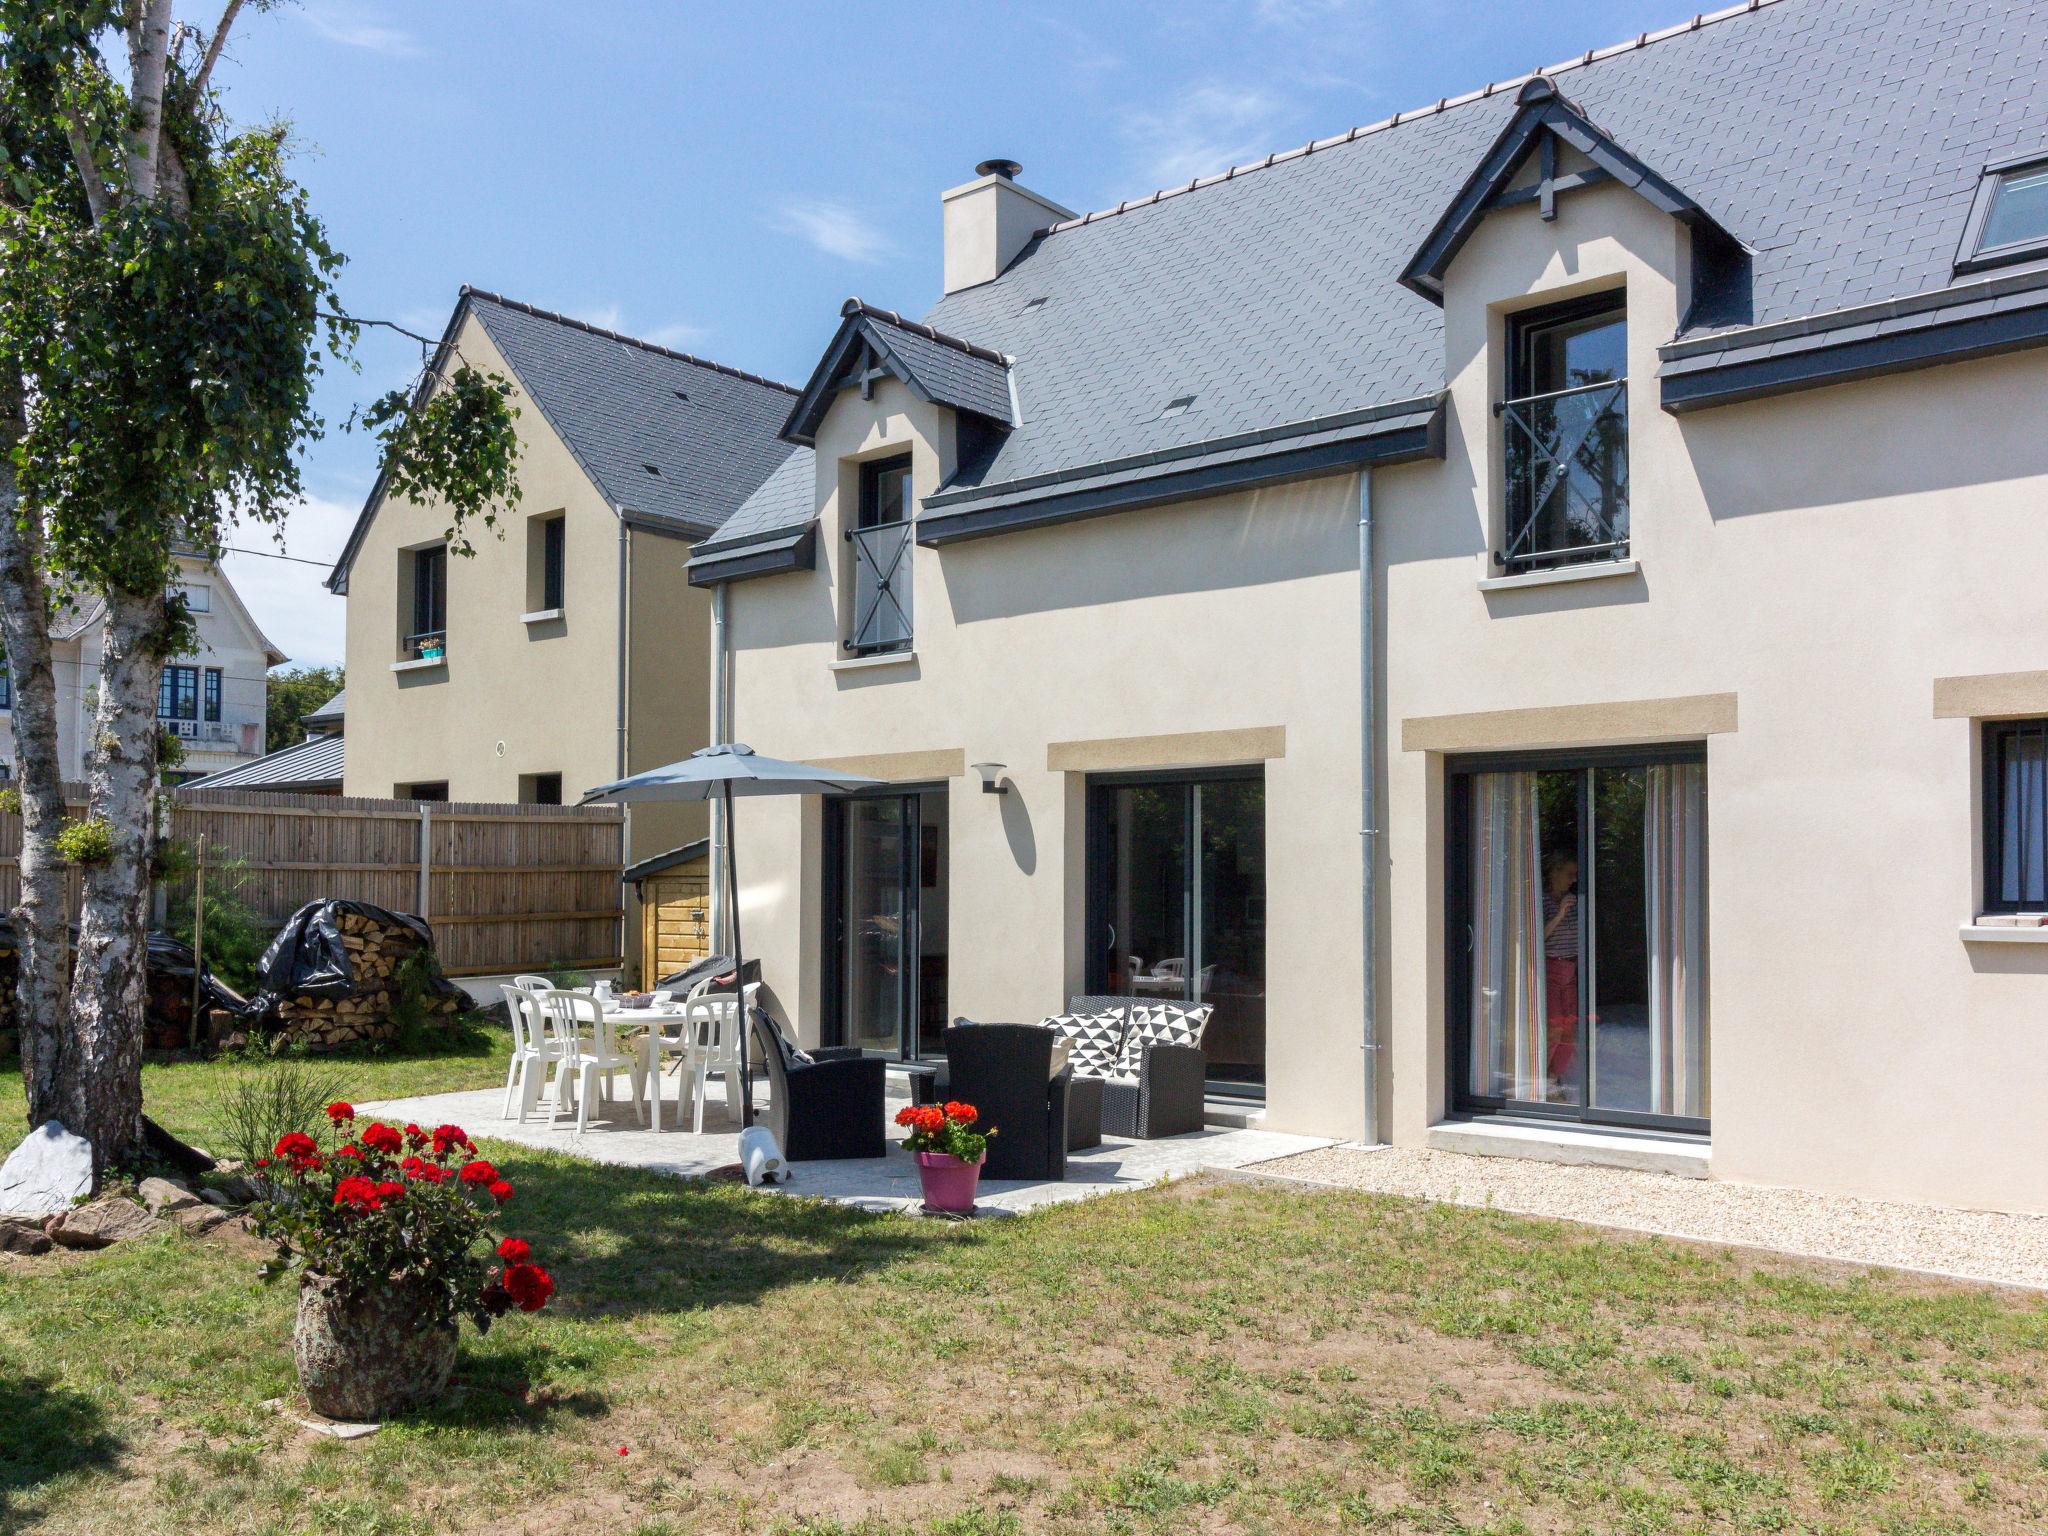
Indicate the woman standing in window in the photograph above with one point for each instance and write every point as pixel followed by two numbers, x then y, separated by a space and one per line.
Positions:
pixel 1561 972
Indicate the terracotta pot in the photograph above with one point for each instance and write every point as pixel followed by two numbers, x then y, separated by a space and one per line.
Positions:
pixel 364 1358
pixel 949 1184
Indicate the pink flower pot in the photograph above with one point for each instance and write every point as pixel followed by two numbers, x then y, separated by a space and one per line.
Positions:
pixel 949 1184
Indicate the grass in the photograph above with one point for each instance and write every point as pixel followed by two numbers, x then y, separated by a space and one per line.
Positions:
pixel 1208 1356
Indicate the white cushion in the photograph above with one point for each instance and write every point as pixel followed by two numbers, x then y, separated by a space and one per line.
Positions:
pixel 1092 1040
pixel 1161 1024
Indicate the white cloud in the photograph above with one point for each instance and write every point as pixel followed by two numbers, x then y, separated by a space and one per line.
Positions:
pixel 353 27
pixel 287 599
pixel 680 336
pixel 606 317
pixel 835 229
pixel 1209 128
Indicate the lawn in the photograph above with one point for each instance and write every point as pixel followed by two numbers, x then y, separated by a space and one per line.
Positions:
pixel 1216 1356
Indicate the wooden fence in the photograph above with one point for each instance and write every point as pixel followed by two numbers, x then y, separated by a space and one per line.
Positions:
pixel 506 887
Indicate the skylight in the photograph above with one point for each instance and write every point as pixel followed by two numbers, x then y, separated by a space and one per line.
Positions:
pixel 1037 303
pixel 2009 220
pixel 1177 406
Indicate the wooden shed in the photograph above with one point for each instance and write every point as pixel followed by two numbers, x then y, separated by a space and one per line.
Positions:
pixel 675 908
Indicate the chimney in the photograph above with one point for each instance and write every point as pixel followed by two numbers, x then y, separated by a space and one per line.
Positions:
pixel 989 220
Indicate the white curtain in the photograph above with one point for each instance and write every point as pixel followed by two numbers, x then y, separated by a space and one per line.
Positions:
pixel 1675 892
pixel 1508 1034
pixel 2024 865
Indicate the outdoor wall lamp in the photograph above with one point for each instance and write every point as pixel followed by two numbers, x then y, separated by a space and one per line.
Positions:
pixel 991 777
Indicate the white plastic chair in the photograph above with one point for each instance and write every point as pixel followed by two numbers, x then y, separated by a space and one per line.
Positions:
pixel 712 1023
pixel 533 1047
pixel 587 1064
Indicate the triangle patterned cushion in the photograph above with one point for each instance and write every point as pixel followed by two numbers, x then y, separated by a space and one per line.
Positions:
pixel 1092 1039
pixel 1161 1024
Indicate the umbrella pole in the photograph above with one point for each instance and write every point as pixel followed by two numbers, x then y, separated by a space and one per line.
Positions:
pixel 739 970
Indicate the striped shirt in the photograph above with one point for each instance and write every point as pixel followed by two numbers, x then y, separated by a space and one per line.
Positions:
pixel 1563 941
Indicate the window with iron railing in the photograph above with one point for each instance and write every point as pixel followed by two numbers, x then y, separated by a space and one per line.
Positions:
pixel 1564 428
pixel 880 545
pixel 429 603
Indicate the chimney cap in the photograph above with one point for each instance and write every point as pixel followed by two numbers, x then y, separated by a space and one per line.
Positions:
pixel 1009 170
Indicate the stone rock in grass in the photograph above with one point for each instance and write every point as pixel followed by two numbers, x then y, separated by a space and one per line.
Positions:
pixel 165 1195
pixel 23 1234
pixel 46 1173
pixel 199 1219
pixel 109 1219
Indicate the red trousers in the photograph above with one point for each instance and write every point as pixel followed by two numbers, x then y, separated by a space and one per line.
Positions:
pixel 1561 1014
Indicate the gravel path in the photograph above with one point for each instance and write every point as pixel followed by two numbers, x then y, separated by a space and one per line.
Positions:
pixel 1970 1245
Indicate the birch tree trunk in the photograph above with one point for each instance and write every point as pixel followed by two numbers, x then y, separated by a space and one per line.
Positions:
pixel 100 1086
pixel 39 917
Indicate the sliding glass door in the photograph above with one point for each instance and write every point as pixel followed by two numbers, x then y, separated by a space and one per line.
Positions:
pixel 885 922
pixel 1577 963
pixel 1177 905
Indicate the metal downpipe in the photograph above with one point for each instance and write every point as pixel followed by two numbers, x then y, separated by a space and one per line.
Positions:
pixel 1368 796
pixel 721 731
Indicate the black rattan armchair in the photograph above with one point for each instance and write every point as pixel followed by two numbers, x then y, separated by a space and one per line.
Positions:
pixel 828 1107
pixel 1005 1072
pixel 1166 1098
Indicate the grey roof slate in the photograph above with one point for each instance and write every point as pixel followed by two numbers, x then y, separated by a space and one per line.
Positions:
pixel 614 402
pixel 313 764
pixel 1840 141
pixel 787 499
pixel 334 709
pixel 935 366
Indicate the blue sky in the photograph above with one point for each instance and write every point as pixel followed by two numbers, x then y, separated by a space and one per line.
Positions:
pixel 719 177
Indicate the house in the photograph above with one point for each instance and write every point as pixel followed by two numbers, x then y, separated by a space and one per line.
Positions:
pixel 570 649
pixel 212 699
pixel 1530 609
pixel 309 767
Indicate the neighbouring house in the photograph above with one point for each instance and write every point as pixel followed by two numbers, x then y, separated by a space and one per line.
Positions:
pixel 1531 609
pixel 211 699
pixel 309 767
pixel 570 649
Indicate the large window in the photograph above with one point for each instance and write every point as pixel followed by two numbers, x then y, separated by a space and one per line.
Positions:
pixel 1565 436
pixel 213 685
pixel 886 947
pixel 2008 222
pixel 1578 935
pixel 1177 905
pixel 177 694
pixel 2016 816
pixel 880 544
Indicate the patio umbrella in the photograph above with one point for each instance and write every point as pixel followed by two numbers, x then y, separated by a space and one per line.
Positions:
pixel 721 772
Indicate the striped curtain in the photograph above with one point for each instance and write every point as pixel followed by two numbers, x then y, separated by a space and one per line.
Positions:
pixel 1508 1040
pixel 1675 901
pixel 2023 860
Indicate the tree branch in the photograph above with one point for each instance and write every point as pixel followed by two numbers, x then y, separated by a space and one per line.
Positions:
pixel 213 46
pixel 88 167
pixel 149 52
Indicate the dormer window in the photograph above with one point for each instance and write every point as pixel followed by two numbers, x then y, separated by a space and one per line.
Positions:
pixel 2009 220
pixel 1565 436
pixel 880 543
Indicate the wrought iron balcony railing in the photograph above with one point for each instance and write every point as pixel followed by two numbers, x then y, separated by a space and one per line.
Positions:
pixel 881 589
pixel 1567 476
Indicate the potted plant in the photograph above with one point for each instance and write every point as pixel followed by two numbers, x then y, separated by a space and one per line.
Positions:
pixel 391 1234
pixel 949 1152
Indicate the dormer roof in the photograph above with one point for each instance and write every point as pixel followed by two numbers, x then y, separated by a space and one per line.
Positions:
pixel 935 367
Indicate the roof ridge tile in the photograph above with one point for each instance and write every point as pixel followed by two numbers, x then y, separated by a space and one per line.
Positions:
pixel 859 306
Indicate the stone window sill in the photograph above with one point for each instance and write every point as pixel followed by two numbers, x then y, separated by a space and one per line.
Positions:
pixel 540 615
pixel 1993 931
pixel 1593 571
pixel 420 664
pixel 863 663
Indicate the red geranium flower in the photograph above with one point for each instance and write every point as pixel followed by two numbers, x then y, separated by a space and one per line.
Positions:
pixel 415 1138
pixel 514 1250
pixel 529 1285
pixel 382 1138
pixel 447 1137
pixel 501 1191
pixel 964 1113
pixel 339 1111
pixel 479 1172
pixel 422 1170
pixel 351 1150
pixel 390 1189
pixel 906 1114
pixel 358 1193
pixel 294 1145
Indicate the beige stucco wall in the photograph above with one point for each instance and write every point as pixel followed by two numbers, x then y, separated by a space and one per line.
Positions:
pixel 515 698
pixel 1807 568
pixel 1236 615
pixel 1822 557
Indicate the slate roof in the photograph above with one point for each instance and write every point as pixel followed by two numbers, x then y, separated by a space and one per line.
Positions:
pixel 313 764
pixel 621 405
pixel 935 366
pixel 1839 141
pixel 333 711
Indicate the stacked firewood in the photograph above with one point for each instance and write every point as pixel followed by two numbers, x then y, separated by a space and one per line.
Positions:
pixel 376 954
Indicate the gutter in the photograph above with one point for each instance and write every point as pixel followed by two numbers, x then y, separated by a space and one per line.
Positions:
pixel 1368 796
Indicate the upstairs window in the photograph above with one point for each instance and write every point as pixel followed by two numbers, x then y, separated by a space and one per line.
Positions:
pixel 213 694
pixel 177 694
pixel 429 601
pixel 6 686
pixel 2009 220
pixel 880 543
pixel 1565 431
pixel 547 544
pixel 2016 816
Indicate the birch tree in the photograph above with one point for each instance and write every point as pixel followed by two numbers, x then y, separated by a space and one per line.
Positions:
pixel 166 301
